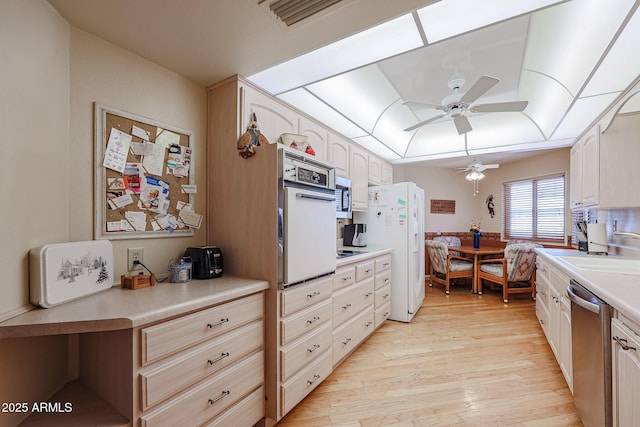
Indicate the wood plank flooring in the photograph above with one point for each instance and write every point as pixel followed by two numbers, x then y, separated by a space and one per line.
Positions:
pixel 465 360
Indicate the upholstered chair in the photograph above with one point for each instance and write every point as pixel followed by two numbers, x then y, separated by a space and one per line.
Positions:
pixel 516 272
pixel 444 267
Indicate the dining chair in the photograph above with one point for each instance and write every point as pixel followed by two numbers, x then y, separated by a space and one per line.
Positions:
pixel 444 266
pixel 450 241
pixel 515 272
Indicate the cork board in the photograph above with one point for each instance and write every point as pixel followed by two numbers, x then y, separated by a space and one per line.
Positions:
pixel 144 184
pixel 443 206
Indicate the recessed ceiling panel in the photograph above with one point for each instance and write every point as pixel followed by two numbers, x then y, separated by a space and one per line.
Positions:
pixel 582 113
pixel 438 138
pixel 500 129
pixel 373 145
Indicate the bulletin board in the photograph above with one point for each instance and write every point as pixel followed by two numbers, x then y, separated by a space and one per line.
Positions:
pixel 144 185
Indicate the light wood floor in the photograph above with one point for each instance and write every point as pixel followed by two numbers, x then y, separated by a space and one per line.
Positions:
pixel 464 360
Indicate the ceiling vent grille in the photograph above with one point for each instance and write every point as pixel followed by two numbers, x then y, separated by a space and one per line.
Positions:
pixel 291 12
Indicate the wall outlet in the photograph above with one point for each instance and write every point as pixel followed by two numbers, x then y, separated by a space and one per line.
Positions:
pixel 134 254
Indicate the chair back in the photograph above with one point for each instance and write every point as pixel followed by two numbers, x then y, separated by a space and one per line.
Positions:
pixel 438 253
pixel 448 240
pixel 521 261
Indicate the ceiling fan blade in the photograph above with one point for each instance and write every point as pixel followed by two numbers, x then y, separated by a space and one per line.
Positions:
pixel 499 107
pixel 432 119
pixel 423 104
pixel 483 84
pixel 481 167
pixel 462 124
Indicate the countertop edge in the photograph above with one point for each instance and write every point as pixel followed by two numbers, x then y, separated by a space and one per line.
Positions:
pixel 366 254
pixel 117 309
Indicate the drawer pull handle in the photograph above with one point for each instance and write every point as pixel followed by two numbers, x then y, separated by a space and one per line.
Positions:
pixel 315 347
pixel 316 377
pixel 386 264
pixel 386 313
pixel 344 279
pixel 368 294
pixel 385 296
pixel 345 342
pixel 368 324
pixel 215 399
pixel 346 306
pixel 314 294
pixel 217 359
pixel 368 270
pixel 623 343
pixel 315 319
pixel 222 321
pixel 386 279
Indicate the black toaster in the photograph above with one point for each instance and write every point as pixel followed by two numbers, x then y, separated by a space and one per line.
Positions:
pixel 207 261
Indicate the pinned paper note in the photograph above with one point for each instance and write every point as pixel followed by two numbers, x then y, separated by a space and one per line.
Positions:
pixel 191 218
pixel 140 133
pixel 115 156
pixel 167 138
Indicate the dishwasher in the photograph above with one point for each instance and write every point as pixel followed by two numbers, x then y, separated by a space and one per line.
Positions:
pixel 591 356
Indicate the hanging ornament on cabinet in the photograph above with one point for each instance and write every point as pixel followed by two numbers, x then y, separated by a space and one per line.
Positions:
pixel 250 139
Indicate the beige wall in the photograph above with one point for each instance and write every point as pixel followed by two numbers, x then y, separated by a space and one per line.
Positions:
pixel 445 183
pixel 50 77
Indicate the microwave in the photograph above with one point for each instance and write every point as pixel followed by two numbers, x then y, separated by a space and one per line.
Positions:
pixel 343 197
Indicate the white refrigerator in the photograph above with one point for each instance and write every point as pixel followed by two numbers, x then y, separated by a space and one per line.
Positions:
pixel 395 219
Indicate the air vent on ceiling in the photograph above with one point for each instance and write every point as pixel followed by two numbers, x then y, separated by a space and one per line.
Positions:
pixel 291 12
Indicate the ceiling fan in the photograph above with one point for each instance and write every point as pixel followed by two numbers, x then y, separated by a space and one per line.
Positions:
pixel 459 103
pixel 479 167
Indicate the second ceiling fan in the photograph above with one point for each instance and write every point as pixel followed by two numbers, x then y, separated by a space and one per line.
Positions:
pixel 458 103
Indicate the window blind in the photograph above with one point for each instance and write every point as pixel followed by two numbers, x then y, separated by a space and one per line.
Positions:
pixel 534 209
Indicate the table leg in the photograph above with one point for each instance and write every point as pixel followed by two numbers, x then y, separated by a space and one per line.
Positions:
pixel 475 274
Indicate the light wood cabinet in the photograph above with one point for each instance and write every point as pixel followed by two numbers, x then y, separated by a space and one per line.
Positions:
pixel 273 117
pixel 387 173
pixel 340 154
pixel 375 170
pixel 553 310
pixel 359 166
pixel 318 137
pixel 584 188
pixel 626 373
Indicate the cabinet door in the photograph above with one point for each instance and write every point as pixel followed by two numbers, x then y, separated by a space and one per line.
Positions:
pixel 317 137
pixel 575 186
pixel 564 344
pixel 339 155
pixel 273 118
pixel 375 170
pixel 554 320
pixel 626 375
pixel 387 173
pixel 591 167
pixel 359 178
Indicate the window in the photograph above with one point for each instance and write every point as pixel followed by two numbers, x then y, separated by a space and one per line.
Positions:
pixel 534 209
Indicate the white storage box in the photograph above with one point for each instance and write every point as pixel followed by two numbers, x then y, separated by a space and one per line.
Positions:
pixel 66 271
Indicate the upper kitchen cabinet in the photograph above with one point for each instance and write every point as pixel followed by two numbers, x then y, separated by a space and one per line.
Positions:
pixel 619 171
pixel 380 172
pixel 359 166
pixel 387 173
pixel 585 170
pixel 340 154
pixel 273 117
pixel 318 137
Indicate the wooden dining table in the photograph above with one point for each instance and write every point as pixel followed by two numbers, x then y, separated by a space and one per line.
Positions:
pixel 477 254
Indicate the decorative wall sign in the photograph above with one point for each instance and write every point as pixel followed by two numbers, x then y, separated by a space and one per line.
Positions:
pixel 443 207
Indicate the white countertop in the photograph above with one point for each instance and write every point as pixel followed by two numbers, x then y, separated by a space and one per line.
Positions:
pixel 365 252
pixel 622 291
pixel 118 308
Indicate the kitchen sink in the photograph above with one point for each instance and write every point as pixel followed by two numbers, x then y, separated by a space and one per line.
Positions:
pixel 604 264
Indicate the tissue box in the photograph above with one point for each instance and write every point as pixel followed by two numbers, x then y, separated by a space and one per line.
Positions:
pixel 66 271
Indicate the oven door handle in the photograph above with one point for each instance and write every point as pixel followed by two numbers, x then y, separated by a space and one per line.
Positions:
pixel 314 197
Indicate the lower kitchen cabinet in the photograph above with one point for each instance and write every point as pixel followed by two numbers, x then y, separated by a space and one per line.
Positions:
pixel 553 310
pixel 626 373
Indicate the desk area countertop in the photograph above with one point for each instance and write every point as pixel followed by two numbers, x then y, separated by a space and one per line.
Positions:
pixel 118 308
pixel 361 253
pixel 622 291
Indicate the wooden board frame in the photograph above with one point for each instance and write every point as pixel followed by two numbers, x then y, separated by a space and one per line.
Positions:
pixel 443 206
pixel 104 116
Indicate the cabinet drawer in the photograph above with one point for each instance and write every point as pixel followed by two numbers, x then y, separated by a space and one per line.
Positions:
pixel 542 313
pixel 364 270
pixel 293 391
pixel 306 295
pixel 174 335
pixel 245 413
pixel 351 334
pixel 383 279
pixel 349 302
pixel 383 263
pixel 381 314
pixel 303 351
pixel 382 296
pixel 195 364
pixel 208 399
pixel 306 321
pixel 344 277
pixel 542 292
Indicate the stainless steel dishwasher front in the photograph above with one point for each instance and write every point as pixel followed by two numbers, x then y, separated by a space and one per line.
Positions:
pixel 591 356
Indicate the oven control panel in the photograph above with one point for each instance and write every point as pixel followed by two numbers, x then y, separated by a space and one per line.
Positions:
pixel 302 170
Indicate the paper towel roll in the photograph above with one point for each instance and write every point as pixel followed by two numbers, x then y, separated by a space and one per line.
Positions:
pixel 597 237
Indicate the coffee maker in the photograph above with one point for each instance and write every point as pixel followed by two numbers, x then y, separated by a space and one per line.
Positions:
pixel 355 235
